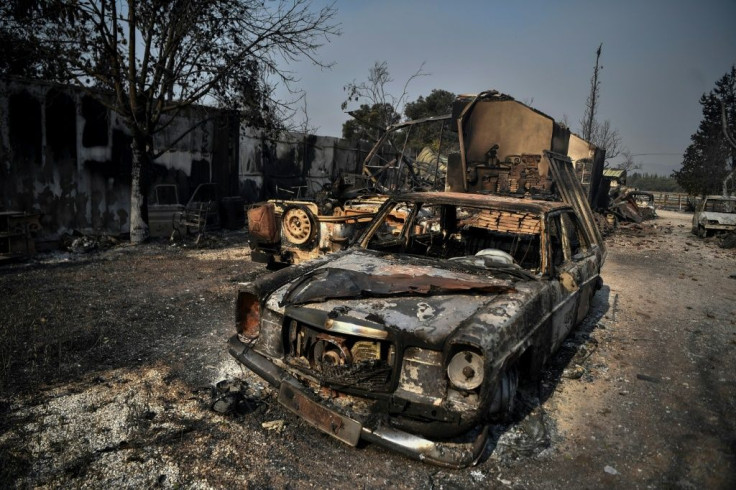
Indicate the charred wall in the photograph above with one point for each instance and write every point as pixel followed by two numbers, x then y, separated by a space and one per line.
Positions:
pixel 65 155
pixel 293 164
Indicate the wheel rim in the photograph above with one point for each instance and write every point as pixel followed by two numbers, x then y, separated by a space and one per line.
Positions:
pixel 297 226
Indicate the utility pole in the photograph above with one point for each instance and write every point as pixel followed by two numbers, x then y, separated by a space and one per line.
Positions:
pixel 591 104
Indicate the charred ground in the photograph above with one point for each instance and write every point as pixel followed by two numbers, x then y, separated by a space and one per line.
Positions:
pixel 109 362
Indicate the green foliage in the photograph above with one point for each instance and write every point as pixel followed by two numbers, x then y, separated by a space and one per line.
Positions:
pixel 709 158
pixel 437 103
pixel 24 51
pixel 368 121
pixel 653 182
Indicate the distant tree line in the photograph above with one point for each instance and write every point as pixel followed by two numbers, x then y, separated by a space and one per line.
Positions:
pixel 653 182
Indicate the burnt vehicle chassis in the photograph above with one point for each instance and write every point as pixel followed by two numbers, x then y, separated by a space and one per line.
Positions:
pixel 283 232
pixel 415 337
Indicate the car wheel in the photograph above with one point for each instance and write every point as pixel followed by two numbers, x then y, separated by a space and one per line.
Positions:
pixel 298 225
pixel 503 398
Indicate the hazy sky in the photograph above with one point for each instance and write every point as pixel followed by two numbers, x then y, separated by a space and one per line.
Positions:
pixel 658 58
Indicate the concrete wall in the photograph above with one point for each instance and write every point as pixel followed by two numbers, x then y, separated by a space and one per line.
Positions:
pixel 66 156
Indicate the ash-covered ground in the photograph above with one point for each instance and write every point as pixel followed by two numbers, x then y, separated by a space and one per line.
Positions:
pixel 110 362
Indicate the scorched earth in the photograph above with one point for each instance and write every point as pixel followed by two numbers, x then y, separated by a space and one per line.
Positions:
pixel 114 372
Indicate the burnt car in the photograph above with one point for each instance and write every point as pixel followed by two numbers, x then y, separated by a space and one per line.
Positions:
pixel 714 214
pixel 645 204
pixel 414 337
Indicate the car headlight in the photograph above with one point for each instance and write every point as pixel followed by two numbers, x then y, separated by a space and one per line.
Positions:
pixel 465 370
pixel 247 315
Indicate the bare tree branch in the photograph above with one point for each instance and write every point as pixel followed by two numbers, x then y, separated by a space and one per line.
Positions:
pixel 724 123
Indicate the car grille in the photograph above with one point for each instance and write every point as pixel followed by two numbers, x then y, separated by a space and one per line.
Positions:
pixel 340 361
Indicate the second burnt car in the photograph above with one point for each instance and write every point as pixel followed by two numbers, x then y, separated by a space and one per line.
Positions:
pixel 415 337
pixel 714 214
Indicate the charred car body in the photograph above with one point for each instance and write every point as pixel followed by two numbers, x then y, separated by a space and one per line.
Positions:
pixel 715 214
pixel 418 333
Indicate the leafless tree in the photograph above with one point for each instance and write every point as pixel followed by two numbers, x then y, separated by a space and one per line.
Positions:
pixel 606 137
pixel 375 91
pixel 731 141
pixel 628 162
pixel 159 57
pixel 588 121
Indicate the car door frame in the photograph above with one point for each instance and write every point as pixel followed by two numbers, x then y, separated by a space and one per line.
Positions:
pixel 572 281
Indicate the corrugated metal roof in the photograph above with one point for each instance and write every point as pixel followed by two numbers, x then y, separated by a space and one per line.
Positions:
pixel 613 172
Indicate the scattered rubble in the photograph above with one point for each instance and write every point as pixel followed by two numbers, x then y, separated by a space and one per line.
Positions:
pixel 121 395
pixel 728 241
pixel 77 242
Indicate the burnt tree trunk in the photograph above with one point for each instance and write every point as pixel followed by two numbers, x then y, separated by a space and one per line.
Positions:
pixel 139 190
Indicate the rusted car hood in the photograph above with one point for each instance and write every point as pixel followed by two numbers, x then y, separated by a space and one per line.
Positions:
pixel 428 299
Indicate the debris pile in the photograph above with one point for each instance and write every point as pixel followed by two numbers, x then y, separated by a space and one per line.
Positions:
pixel 728 240
pixel 234 396
pixel 632 206
pixel 77 242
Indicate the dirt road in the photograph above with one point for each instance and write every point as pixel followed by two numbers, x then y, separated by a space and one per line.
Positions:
pixel 108 363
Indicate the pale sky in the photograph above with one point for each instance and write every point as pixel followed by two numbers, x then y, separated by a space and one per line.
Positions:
pixel 658 58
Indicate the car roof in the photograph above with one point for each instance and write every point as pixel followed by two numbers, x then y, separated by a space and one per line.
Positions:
pixel 725 198
pixel 504 203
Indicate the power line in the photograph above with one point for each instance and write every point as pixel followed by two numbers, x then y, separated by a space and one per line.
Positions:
pixel 646 154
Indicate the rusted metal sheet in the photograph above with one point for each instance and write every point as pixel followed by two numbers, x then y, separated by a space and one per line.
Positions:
pixel 328 421
pixel 572 193
pixel 262 223
pixel 339 283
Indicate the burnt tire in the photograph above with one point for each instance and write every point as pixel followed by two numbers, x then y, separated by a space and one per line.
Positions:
pixel 298 225
pixel 502 402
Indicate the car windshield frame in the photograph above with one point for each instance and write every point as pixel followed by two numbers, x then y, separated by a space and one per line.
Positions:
pixel 403 227
pixel 719 205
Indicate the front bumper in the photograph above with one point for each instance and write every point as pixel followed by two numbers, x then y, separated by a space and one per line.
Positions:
pixel 719 227
pixel 303 403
